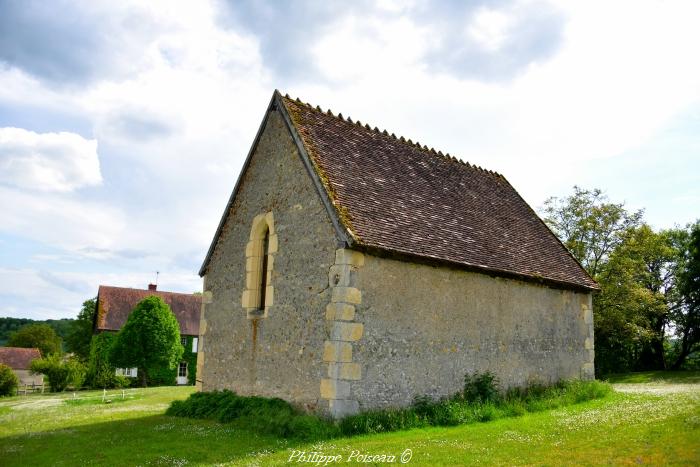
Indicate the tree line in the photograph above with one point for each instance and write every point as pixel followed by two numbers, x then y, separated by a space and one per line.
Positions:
pixel 647 312
pixel 9 325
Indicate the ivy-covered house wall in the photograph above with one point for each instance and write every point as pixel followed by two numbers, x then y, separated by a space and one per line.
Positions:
pixel 167 376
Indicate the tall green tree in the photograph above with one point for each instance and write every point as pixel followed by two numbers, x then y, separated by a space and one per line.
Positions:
pixel 639 295
pixel 41 336
pixel 79 338
pixel 589 225
pixel 687 315
pixel 149 340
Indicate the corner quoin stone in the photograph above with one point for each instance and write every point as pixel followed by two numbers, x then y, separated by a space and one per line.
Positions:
pixel 337 351
pixel 349 332
pixel 346 295
pixel 340 311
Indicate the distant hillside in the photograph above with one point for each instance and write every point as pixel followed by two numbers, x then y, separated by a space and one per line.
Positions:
pixel 10 325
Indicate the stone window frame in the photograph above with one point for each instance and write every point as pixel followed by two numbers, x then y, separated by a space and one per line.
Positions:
pixel 262 223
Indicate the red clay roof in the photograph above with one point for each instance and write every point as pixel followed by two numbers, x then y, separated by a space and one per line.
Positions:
pixel 18 358
pixel 396 196
pixel 114 304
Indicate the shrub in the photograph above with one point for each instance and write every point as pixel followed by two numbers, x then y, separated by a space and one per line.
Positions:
pixel 269 416
pixel 61 373
pixel 481 387
pixel 8 381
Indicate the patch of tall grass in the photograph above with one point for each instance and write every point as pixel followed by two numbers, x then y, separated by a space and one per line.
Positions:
pixel 269 416
pixel 480 401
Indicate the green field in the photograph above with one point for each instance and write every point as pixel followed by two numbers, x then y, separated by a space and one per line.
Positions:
pixel 650 420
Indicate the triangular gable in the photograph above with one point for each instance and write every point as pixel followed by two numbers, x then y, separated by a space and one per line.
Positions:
pixel 276 103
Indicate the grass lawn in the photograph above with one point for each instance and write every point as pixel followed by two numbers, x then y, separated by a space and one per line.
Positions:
pixel 625 428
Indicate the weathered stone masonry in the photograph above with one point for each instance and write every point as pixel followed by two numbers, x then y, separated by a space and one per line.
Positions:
pixel 344 331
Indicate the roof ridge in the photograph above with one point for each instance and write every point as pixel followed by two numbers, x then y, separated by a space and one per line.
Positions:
pixel 424 148
pixel 146 290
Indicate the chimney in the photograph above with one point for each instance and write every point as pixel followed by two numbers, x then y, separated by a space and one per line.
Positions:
pixel 152 286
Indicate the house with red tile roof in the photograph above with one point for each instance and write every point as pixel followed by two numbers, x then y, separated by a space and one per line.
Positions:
pixel 20 360
pixel 114 304
pixel 354 269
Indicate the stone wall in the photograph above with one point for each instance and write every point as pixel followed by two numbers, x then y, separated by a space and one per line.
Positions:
pixel 426 327
pixel 278 353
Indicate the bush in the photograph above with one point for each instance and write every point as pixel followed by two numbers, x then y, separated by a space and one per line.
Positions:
pixel 8 381
pixel 61 373
pixel 481 387
pixel 269 416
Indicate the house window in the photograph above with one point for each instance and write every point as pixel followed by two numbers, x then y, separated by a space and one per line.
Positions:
pixel 131 372
pixel 183 341
pixel 258 295
pixel 182 370
pixel 195 342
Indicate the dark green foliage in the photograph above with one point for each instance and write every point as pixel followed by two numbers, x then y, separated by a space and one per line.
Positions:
pixel 269 416
pixel 9 325
pixel 149 340
pixel 161 376
pixel 8 381
pixel 60 373
pixel 80 335
pixel 191 359
pixel 41 336
pixel 101 374
pixel 480 387
pixel 687 315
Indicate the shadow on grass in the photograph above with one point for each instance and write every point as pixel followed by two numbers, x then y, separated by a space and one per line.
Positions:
pixel 152 440
pixel 674 377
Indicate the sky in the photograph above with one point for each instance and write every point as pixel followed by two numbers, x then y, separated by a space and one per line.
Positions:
pixel 124 125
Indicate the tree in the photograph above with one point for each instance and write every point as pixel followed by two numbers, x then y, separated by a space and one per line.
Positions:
pixel 8 381
pixel 41 336
pixel 60 373
pixel 589 225
pixel 687 315
pixel 101 374
pixel 637 299
pixel 80 335
pixel 149 340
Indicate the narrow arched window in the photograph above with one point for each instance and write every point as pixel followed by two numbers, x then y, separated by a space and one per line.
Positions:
pixel 263 269
pixel 259 293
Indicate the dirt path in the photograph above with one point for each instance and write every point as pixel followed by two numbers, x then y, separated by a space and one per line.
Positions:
pixel 657 388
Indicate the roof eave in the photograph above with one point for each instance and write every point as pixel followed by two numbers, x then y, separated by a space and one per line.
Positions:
pixel 383 252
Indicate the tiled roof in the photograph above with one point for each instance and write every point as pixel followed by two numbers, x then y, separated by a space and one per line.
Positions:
pixel 18 358
pixel 397 196
pixel 114 304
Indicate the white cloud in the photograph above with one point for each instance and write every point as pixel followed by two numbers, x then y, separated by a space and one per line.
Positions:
pixel 60 295
pixel 489 28
pixel 173 130
pixel 48 161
